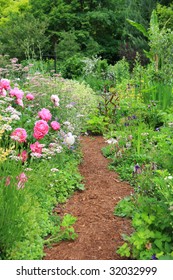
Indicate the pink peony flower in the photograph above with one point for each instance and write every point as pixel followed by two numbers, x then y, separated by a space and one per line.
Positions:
pixel 45 114
pixel 22 178
pixel 3 92
pixel 41 128
pixel 55 125
pixel 36 147
pixel 23 156
pixel 17 93
pixel 5 84
pixel 30 96
pixel 19 102
pixel 55 100
pixel 19 134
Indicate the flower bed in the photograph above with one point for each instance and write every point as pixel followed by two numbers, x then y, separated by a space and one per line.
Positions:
pixel 40 123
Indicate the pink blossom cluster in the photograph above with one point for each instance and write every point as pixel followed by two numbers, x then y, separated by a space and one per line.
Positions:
pixel 55 125
pixel 19 135
pixel 36 149
pixel 18 94
pixel 15 92
pixel 23 156
pixel 30 96
pixel 41 127
pixel 22 178
pixel 45 114
pixel 4 86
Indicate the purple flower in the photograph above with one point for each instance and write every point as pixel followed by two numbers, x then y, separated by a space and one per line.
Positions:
pixel 153 257
pixel 126 124
pixel 137 169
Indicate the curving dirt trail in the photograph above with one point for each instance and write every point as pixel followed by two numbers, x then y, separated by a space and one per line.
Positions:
pixel 99 231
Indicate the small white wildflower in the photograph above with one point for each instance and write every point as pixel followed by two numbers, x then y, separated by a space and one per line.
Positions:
pixel 7 127
pixel 16 158
pixel 128 145
pixel 37 155
pixel 66 123
pixel 69 106
pixel 15 117
pixel 45 150
pixel 119 154
pixel 59 149
pixel 111 141
pixel 6 119
pixel 2 102
pixel 168 177
pixel 54 170
pixel 28 169
pixel 8 98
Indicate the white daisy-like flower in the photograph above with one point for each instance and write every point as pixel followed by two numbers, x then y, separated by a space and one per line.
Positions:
pixel 111 141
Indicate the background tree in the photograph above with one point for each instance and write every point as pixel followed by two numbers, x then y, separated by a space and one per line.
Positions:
pixel 23 36
pixel 96 27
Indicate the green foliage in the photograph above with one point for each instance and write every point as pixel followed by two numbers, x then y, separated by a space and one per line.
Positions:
pixel 72 67
pixel 139 26
pixel 125 207
pixel 26 214
pixel 23 36
pixel 84 22
pixel 68 46
pixel 120 71
pixel 152 233
pixel 96 125
pixel 165 15
pixel 159 41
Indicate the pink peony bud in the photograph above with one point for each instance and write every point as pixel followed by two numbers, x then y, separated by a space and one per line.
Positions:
pixel 55 125
pixel 45 114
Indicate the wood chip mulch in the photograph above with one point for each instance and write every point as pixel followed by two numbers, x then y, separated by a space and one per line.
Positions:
pixel 99 231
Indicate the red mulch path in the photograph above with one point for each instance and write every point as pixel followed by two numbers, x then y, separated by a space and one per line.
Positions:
pixel 99 231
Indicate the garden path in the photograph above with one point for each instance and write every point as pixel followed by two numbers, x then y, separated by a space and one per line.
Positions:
pixel 99 231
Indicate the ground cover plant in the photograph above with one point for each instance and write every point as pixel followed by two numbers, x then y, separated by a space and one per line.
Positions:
pixel 40 122
pixel 140 146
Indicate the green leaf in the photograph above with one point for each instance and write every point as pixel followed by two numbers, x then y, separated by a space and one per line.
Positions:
pixel 124 250
pixel 139 26
pixel 167 257
pixel 158 243
pixel 81 187
pixel 68 220
pixel 154 19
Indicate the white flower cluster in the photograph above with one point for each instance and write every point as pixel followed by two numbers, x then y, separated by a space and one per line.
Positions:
pixel 69 126
pixel 111 141
pixel 7 127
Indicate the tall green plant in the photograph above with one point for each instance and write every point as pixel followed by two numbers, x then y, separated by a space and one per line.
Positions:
pixel 160 42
